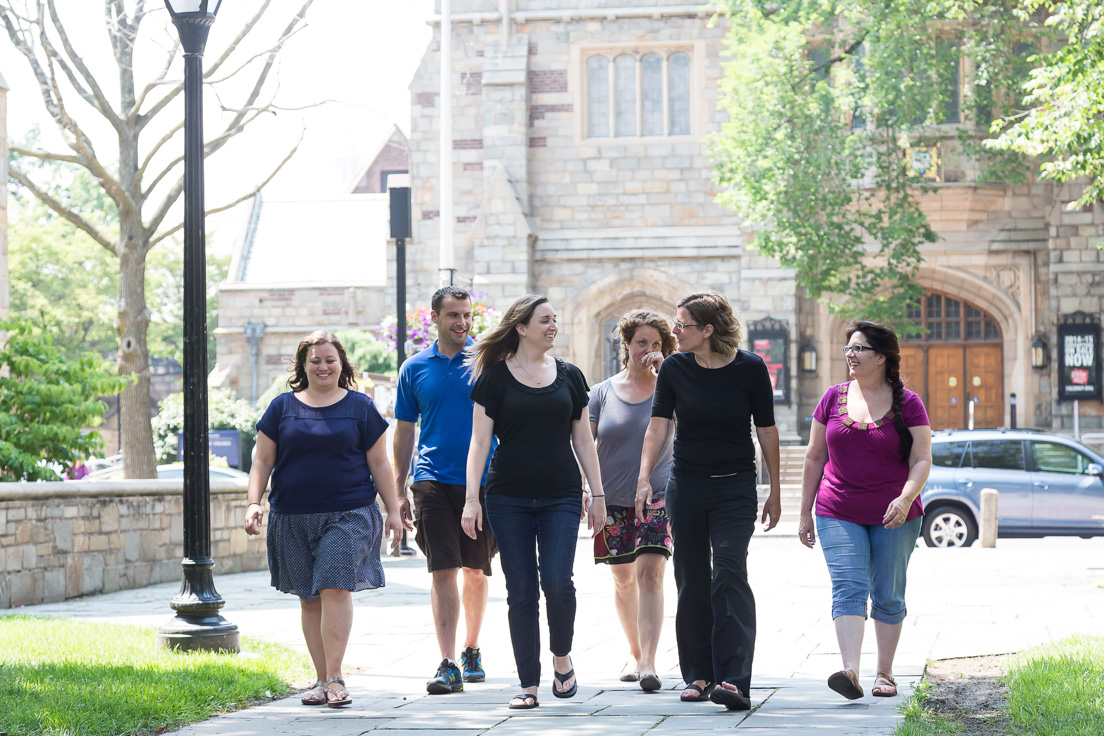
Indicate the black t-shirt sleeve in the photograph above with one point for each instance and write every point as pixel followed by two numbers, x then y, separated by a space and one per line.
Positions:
pixel 761 395
pixel 580 396
pixel 663 401
pixel 486 391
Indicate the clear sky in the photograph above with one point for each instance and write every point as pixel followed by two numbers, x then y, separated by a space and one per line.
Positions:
pixel 361 54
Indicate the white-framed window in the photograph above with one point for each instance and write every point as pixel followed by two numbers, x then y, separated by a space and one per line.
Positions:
pixel 638 93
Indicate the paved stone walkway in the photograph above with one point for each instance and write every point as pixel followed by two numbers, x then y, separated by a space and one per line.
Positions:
pixel 961 603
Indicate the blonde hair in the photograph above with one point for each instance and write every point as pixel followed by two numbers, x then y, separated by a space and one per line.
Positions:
pixel 638 318
pixel 499 343
pixel 711 308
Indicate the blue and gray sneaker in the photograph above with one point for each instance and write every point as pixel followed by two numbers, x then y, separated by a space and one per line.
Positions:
pixel 472 662
pixel 447 680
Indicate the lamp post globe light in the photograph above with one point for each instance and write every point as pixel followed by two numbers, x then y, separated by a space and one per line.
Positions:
pixel 197 623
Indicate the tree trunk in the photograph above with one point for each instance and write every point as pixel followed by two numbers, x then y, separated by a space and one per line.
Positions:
pixel 139 460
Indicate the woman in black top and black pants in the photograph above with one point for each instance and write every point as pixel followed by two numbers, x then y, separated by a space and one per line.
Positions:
pixel 714 391
pixel 534 492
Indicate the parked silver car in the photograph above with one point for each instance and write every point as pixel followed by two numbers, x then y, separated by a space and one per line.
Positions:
pixel 1049 486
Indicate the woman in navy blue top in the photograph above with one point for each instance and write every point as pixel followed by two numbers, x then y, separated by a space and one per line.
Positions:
pixel 323 444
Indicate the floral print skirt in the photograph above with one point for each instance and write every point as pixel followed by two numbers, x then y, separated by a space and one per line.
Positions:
pixel 624 536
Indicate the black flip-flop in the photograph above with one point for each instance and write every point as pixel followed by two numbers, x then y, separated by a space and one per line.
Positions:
pixel 564 678
pixel 649 683
pixel 702 693
pixel 731 699
pixel 525 704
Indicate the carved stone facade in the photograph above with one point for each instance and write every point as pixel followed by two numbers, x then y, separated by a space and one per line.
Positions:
pixel 599 223
pixel 604 223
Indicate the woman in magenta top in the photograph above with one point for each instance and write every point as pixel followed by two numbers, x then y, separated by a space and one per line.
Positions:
pixel 868 458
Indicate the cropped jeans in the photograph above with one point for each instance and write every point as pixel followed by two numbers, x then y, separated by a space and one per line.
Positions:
pixel 867 561
pixel 536 541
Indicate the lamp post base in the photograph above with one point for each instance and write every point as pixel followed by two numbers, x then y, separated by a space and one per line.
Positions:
pixel 198 625
pixel 194 634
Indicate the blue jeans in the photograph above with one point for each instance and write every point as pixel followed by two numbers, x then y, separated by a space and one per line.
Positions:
pixel 536 541
pixel 867 561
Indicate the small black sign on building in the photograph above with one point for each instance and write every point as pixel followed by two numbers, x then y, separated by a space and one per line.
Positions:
pixel 769 338
pixel 1079 377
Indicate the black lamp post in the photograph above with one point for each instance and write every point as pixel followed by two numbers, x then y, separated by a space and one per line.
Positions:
pixel 197 624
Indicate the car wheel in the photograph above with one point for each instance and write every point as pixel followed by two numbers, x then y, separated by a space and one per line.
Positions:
pixel 949 526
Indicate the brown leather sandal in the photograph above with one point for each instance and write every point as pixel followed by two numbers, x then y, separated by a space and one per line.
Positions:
pixel 884 686
pixel 315 694
pixel 846 683
pixel 336 698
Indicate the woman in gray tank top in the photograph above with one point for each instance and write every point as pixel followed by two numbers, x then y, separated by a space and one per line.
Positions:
pixel 636 549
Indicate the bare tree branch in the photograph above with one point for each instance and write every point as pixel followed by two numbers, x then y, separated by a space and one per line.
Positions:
pixel 157 147
pixel 80 142
pixel 256 190
pixel 96 233
pixel 48 156
pixel 144 118
pixel 132 114
pixel 96 98
pixel 241 67
pixel 208 148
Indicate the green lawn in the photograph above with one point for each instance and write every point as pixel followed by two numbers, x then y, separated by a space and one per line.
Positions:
pixel 69 678
pixel 1053 690
pixel 1058 689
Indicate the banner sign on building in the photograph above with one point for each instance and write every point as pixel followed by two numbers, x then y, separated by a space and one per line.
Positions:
pixel 770 340
pixel 1079 358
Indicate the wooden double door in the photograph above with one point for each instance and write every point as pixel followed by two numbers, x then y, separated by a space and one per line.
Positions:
pixel 951 377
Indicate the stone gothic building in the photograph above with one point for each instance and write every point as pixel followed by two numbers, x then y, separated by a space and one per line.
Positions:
pixel 581 171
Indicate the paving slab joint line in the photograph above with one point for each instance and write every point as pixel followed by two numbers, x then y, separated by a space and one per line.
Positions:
pixel 751 712
pixel 658 724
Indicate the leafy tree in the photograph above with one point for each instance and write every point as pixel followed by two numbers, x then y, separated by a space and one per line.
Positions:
pixel 826 100
pixel 125 132
pixel 224 411
pixel 65 286
pixel 1065 96
pixel 45 402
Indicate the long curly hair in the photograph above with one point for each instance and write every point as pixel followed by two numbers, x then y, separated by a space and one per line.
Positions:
pixel 711 308
pixel 883 339
pixel 499 343
pixel 637 318
pixel 298 381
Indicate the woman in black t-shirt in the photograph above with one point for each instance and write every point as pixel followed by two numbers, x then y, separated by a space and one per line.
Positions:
pixel 715 390
pixel 534 493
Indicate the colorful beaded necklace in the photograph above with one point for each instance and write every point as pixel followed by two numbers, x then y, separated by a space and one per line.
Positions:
pixel 848 421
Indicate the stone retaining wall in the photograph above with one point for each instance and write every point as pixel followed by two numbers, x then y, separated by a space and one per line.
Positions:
pixel 66 540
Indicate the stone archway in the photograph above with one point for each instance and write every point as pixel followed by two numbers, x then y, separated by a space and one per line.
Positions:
pixel 1009 315
pixel 609 297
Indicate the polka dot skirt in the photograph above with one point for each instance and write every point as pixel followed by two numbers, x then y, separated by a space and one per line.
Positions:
pixel 310 552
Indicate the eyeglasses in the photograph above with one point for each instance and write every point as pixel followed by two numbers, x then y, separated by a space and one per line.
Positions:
pixel 681 326
pixel 857 349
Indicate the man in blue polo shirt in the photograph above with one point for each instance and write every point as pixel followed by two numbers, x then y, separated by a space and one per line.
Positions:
pixel 434 384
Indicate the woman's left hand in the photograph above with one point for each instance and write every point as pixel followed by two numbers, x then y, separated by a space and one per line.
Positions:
pixel 652 361
pixel 596 515
pixel 393 528
pixel 897 512
pixel 586 505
